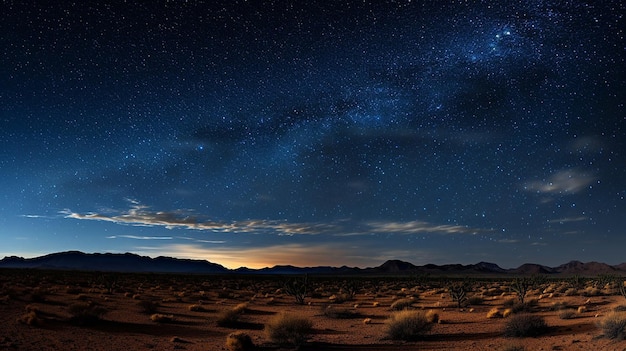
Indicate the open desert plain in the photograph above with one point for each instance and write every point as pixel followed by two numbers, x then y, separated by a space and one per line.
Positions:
pixel 64 310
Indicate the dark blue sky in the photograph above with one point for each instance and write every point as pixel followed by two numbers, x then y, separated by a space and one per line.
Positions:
pixel 315 133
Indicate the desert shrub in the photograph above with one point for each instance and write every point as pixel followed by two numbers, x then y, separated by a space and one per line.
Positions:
pixel 494 313
pixel 515 306
pixel 401 304
pixel 340 313
pixel 613 325
pixel 432 316
pixel 38 295
pixel 458 291
pixel 239 341
pixel 196 308
pixel 591 291
pixel 241 308
pixel 559 306
pixel 162 318
pixel 568 313
pixel 475 300
pixel 571 292
pixel 288 329
pixel 297 288
pixel 148 306
pixel 31 318
pixel 620 308
pixel 86 313
pixel 228 318
pixel 522 325
pixel 407 325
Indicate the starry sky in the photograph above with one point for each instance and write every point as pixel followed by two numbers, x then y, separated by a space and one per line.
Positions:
pixel 257 133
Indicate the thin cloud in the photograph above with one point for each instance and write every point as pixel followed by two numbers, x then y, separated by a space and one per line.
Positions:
pixel 568 220
pixel 416 227
pixel 508 241
pixel 141 215
pixel 568 181
pixel 140 237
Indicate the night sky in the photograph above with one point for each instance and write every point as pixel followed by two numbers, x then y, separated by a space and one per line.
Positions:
pixel 256 133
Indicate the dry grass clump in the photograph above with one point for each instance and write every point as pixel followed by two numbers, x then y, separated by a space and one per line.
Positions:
pixel 241 308
pixel 239 341
pixel 86 313
pixel 475 300
pixel 620 308
pixel 494 313
pixel 31 317
pixel 432 316
pixel 613 325
pixel 228 318
pixel 408 325
pixel 568 313
pixel 288 329
pixel 523 325
pixel 339 313
pixel 162 318
pixel 148 306
pixel 196 308
pixel 402 304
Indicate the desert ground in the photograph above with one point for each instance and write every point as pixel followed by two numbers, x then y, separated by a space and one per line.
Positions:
pixel 59 310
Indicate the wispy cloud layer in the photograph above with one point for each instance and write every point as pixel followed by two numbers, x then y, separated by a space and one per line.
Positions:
pixel 567 181
pixel 140 237
pixel 140 215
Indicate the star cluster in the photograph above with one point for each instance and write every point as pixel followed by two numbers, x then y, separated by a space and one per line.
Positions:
pixel 422 130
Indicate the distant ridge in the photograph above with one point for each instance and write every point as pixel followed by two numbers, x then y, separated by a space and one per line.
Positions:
pixel 109 262
pixel 129 262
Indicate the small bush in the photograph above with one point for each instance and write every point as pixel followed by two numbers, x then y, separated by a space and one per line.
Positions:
pixel 432 316
pixel 196 308
pixel 523 325
pixel 613 325
pixel 288 329
pixel 228 318
pixel 475 300
pixel 407 325
pixel 86 313
pixel 31 318
pixel 162 318
pixel 558 306
pixel 494 313
pixel 241 308
pixel 620 308
pixel 340 313
pixel 567 313
pixel 239 341
pixel 148 306
pixel 401 304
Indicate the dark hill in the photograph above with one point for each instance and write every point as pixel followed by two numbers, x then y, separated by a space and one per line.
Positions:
pixel 128 262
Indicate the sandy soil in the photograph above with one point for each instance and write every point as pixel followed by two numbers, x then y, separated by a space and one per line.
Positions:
pixel 38 311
